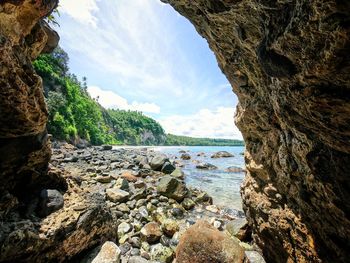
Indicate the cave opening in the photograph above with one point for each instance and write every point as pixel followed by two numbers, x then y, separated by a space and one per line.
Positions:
pixel 295 192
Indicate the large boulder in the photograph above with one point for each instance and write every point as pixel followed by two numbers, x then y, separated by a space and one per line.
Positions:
pixel 185 156
pixel 168 168
pixel 222 154
pixel 156 162
pixel 178 173
pixel 206 166
pixel 203 243
pixel 172 188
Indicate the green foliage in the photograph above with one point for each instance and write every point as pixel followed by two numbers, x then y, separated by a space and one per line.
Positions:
pixel 189 141
pixel 132 127
pixel 52 18
pixel 73 114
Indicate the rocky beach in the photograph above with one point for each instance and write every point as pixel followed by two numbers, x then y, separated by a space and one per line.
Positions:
pixel 139 196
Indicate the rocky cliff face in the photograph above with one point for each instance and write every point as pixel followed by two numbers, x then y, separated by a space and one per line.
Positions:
pixel 24 147
pixel 25 152
pixel 289 64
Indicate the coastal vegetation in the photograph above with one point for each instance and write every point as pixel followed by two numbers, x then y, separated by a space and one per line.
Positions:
pixel 190 141
pixel 75 116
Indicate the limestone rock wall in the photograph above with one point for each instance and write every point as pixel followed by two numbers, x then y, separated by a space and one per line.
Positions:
pixel 289 64
pixel 24 146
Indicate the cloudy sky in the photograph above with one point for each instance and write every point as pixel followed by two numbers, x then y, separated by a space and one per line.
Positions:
pixel 141 55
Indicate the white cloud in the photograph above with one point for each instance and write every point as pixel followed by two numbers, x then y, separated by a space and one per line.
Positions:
pixel 205 123
pixel 112 100
pixel 80 10
pixel 130 41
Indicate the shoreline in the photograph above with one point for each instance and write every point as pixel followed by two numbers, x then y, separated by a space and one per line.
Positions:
pixel 131 170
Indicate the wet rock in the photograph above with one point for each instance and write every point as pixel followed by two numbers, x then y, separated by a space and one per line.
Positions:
pixel 158 161
pixel 188 203
pixel 206 166
pixel 239 228
pixel 168 168
pixel 50 201
pixel 178 173
pixel 117 195
pixel 109 253
pixel 151 232
pixel 222 154
pixel 185 156
pixel 162 253
pixel 172 188
pixel 177 212
pixel 203 197
pixel 235 169
pixel 202 243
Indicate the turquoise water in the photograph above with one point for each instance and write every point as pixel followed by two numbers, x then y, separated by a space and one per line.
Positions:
pixel 223 186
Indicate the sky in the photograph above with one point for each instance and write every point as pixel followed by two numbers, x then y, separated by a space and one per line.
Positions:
pixel 142 55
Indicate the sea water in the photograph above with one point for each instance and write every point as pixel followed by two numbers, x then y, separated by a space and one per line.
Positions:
pixel 223 186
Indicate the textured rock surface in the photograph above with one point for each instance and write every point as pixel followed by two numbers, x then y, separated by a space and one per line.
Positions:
pixel 24 146
pixel 203 243
pixel 288 62
pixel 83 222
pixel 25 153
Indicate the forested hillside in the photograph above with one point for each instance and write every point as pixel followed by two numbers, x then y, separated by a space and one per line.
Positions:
pixel 190 141
pixel 74 116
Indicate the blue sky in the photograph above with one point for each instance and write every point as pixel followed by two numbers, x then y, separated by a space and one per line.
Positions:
pixel 141 55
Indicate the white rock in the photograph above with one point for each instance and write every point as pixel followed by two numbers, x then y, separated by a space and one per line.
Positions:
pixel 109 253
pixel 117 195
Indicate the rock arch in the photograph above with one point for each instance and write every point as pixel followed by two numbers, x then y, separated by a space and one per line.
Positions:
pixel 288 62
